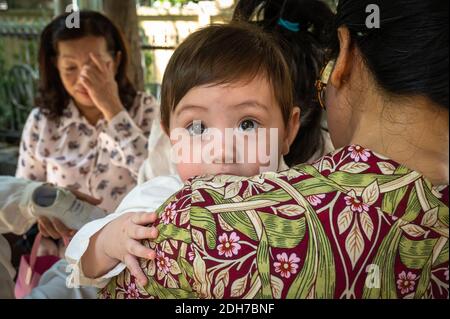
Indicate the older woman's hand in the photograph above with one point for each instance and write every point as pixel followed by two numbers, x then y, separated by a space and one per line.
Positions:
pixel 98 78
pixel 52 227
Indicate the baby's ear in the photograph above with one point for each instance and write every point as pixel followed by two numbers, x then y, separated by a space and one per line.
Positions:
pixel 292 129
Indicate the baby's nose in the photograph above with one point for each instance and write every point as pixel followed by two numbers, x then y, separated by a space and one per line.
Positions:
pixel 225 151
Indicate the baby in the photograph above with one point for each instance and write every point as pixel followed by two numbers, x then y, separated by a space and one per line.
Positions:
pixel 226 103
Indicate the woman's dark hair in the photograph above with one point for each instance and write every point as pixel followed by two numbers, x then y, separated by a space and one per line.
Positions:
pixel 304 51
pixel 52 97
pixel 408 54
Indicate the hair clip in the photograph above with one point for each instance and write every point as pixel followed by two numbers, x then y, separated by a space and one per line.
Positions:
pixel 291 26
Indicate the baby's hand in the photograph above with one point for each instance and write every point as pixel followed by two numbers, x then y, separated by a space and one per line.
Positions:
pixel 122 237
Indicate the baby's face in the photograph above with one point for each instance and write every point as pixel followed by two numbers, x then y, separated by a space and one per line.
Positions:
pixel 233 129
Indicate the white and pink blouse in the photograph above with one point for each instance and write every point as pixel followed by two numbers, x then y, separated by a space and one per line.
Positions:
pixel 101 160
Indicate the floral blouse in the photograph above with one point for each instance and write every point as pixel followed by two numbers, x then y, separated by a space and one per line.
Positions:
pixel 101 160
pixel 352 225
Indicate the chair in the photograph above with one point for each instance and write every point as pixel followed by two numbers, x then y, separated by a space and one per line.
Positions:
pixel 22 81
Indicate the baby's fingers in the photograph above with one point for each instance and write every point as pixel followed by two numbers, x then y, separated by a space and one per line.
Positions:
pixel 141 232
pixel 133 266
pixel 135 248
pixel 143 218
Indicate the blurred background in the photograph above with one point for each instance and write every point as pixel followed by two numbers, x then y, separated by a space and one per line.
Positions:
pixel 153 28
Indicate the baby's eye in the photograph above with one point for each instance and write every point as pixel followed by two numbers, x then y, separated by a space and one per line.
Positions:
pixel 196 128
pixel 248 125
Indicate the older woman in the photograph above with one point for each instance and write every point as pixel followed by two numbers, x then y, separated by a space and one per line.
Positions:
pixel 369 220
pixel 90 129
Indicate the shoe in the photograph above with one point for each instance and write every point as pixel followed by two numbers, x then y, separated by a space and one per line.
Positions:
pixel 60 203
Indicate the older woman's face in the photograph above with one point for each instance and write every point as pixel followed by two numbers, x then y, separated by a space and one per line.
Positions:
pixel 72 56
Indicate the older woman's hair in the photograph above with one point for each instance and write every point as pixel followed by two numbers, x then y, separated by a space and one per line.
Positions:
pixel 52 97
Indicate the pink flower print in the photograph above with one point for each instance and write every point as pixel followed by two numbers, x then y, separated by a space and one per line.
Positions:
pixel 406 282
pixel 446 275
pixel 315 199
pixel 132 292
pixel 359 153
pixel 162 262
pixel 191 255
pixel 356 205
pixel 169 214
pixel 229 246
pixel 286 266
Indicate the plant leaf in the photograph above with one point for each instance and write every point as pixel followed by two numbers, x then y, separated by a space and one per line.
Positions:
pixel 371 193
pixel 430 217
pixel 345 219
pixel 171 283
pixel 354 167
pixel 219 290
pixel 354 244
pixel 386 168
pixel 224 224
pixel 291 210
pixel 232 190
pixel 277 286
pixel 174 267
pixel 413 230
pixel 238 286
pixel 166 248
pixel 367 224
pixel 197 236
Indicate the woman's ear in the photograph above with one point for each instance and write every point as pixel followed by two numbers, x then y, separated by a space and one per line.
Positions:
pixel 344 60
pixel 291 130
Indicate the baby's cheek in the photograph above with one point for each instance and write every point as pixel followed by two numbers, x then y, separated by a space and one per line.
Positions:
pixel 252 169
pixel 269 150
pixel 187 171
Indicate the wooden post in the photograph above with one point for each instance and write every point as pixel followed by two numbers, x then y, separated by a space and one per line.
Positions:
pixel 123 14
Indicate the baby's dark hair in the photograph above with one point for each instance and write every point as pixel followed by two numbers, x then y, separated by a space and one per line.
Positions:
pixel 301 28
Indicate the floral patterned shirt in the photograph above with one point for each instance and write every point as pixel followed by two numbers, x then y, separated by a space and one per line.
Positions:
pixel 101 160
pixel 352 225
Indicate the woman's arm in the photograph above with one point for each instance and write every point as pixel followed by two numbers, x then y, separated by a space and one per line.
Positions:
pixel 128 129
pixel 15 196
pixel 29 165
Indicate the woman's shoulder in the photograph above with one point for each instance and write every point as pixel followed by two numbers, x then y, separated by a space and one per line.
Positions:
pixel 145 105
pixel 37 119
pixel 144 99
